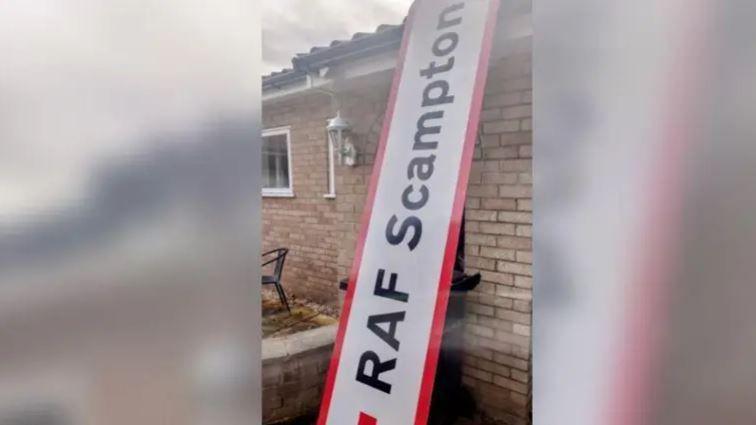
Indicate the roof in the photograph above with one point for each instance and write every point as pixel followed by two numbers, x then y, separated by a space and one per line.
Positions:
pixel 384 38
pixel 361 44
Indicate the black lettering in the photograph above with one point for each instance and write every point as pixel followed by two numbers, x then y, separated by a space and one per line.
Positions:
pixel 410 222
pixel 441 90
pixel 422 167
pixel 415 205
pixel 443 19
pixel 389 337
pixel 423 130
pixel 373 379
pixel 434 69
pixel 453 39
pixel 390 291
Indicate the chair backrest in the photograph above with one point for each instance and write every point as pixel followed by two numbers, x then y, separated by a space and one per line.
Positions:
pixel 278 259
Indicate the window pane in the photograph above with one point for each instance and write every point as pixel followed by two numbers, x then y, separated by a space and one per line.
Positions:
pixel 275 162
pixel 266 169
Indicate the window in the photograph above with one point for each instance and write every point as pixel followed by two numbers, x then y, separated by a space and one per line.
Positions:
pixel 276 162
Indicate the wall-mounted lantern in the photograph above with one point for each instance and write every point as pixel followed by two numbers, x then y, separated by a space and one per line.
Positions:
pixel 339 134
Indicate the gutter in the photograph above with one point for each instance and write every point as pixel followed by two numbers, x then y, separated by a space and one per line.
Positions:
pixel 368 45
pixel 356 48
pixel 281 79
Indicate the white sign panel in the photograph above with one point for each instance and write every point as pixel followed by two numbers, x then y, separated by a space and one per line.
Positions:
pixel 384 359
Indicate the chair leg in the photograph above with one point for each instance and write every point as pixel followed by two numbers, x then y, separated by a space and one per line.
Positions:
pixel 278 291
pixel 282 296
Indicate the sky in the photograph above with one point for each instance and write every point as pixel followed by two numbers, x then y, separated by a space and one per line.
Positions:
pixel 294 26
pixel 81 80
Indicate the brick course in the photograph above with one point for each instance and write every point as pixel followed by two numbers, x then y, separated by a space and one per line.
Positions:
pixel 305 222
pixel 292 374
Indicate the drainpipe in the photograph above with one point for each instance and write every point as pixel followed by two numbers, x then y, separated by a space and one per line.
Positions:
pixel 310 85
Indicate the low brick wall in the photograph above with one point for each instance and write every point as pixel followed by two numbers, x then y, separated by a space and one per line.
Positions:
pixel 294 369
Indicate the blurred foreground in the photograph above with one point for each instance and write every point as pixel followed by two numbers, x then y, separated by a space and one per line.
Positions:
pixel 129 291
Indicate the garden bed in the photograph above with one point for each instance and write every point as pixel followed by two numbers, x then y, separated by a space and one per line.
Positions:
pixel 305 315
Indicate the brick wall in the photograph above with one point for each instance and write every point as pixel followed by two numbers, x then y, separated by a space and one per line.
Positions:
pixel 321 233
pixel 498 228
pixel 304 223
pixel 366 110
pixel 498 224
pixel 292 374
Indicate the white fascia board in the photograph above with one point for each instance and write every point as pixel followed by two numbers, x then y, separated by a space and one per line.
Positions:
pixel 351 70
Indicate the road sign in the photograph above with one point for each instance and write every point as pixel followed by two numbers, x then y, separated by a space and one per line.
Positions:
pixel 386 350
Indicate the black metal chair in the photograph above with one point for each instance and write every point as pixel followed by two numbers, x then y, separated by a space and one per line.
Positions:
pixel 275 278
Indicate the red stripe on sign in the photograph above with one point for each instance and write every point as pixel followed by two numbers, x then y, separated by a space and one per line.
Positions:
pixel 638 360
pixel 444 284
pixel 365 221
pixel 366 419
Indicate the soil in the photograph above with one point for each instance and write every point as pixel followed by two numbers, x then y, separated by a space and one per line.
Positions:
pixel 305 315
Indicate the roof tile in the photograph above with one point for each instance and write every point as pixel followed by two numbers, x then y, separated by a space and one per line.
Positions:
pixel 335 43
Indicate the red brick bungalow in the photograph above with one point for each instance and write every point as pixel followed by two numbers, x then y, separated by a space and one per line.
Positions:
pixel 312 204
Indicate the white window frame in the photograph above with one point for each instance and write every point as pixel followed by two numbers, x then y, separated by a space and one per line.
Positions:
pixel 286 192
pixel 331 171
